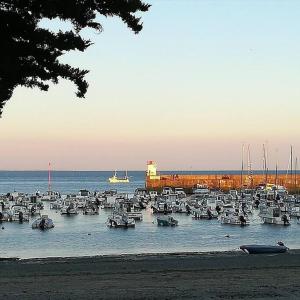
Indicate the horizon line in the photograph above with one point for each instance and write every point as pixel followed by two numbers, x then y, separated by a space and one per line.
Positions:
pixel 166 170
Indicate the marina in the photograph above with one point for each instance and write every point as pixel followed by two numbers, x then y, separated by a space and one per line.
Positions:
pixel 206 222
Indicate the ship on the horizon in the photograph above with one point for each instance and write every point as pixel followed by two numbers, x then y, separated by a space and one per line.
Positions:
pixel 116 179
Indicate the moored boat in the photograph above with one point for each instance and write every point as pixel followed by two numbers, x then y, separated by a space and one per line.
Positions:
pixel 118 220
pixel 42 223
pixel 166 221
pixel 273 215
pixel 234 218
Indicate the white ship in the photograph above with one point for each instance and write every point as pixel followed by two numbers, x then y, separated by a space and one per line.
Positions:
pixel 116 179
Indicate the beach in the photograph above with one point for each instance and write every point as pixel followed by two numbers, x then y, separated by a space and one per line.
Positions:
pixel 212 275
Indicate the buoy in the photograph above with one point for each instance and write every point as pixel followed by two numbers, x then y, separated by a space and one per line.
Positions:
pixel 2 228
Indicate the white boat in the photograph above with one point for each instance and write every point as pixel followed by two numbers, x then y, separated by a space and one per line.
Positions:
pixel 153 195
pixel 161 207
pixel 118 220
pixel 90 209
pixel 295 211
pixel 205 213
pixel 50 196
pixel 180 192
pixel 4 204
pixel 56 204
pixel 19 213
pixel 81 202
pixel 201 190
pixel 234 218
pixel 69 208
pixel 42 223
pixel 116 179
pixel 274 215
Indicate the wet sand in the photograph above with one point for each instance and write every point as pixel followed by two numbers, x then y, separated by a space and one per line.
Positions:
pixel 227 275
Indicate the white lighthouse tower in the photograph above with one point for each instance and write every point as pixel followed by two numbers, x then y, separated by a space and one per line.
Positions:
pixel 152 170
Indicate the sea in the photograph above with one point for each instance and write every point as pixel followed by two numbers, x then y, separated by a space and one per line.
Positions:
pixel 82 235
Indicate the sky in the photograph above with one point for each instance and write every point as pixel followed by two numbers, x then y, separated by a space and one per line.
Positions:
pixel 201 79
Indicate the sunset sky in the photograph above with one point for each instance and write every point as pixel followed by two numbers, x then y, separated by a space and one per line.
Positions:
pixel 201 79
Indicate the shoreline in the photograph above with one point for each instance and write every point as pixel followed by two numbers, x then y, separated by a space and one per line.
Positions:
pixel 220 253
pixel 206 275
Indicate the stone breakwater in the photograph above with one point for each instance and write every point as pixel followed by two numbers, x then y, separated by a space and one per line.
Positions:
pixel 223 181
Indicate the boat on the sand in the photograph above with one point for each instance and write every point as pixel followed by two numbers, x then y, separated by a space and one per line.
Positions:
pixel 264 249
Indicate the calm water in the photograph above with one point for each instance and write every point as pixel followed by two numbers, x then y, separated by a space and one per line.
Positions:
pixel 88 235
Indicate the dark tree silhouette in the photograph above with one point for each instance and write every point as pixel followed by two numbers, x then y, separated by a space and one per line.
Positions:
pixel 29 54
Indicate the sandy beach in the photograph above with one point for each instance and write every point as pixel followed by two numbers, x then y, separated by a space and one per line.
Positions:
pixel 227 275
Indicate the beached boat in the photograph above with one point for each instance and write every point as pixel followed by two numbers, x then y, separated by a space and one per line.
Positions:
pixel 166 221
pixel 264 249
pixel 116 179
pixel 42 223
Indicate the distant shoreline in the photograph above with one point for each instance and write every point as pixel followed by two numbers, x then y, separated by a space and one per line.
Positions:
pixel 209 275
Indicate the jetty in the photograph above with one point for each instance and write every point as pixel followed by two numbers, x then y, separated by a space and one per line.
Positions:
pixel 157 181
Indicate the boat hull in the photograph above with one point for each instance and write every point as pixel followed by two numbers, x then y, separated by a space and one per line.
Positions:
pixel 162 222
pixel 263 249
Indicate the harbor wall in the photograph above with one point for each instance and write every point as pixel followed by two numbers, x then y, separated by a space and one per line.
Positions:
pixel 221 181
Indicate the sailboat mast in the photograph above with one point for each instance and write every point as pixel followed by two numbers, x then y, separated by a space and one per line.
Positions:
pixel 250 167
pixel 291 164
pixel 49 177
pixel 242 169
pixel 295 172
pixel 276 175
pixel 265 164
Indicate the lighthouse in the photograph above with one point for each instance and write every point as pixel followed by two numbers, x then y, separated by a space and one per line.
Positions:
pixel 152 170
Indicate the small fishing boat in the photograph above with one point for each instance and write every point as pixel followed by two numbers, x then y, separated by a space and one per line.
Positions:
pixel 42 223
pixel 19 213
pixel 161 207
pixel 205 213
pixel 90 209
pixel 234 218
pixel 166 221
pixel 116 179
pixel 273 215
pixel 69 208
pixel 264 249
pixel 118 220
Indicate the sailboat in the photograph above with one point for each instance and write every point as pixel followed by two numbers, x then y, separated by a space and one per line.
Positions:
pixel 116 179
